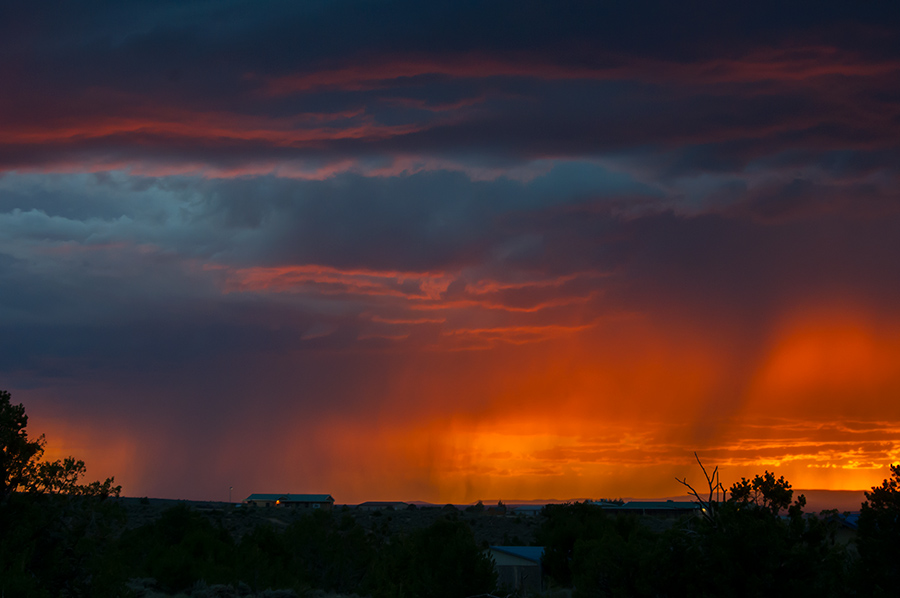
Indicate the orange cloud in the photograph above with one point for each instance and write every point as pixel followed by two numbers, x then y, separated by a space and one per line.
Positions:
pixel 782 64
pixel 537 310
pixel 177 122
pixel 329 280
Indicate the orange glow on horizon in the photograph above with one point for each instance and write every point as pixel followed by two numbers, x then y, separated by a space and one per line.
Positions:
pixel 106 453
pixel 612 409
pixel 617 409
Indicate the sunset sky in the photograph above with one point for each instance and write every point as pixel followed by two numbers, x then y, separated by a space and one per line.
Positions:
pixel 451 251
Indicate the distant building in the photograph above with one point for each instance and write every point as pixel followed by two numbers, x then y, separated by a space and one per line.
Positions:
pixel 664 509
pixel 382 505
pixel 294 501
pixel 847 529
pixel 519 567
pixel 527 510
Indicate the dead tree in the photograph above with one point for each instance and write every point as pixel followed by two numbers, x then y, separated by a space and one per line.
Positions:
pixel 716 491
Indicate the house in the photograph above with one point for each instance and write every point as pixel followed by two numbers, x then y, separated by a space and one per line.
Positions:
pixel 528 510
pixel 846 528
pixel 381 505
pixel 518 567
pixel 294 501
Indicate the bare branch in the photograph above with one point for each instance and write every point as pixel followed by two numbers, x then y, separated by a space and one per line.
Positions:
pixel 708 506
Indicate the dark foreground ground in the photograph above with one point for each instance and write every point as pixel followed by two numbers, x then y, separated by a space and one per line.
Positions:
pixel 489 529
pixel 65 543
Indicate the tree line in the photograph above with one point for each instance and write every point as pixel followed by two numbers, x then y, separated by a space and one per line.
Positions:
pixel 754 540
pixel 59 536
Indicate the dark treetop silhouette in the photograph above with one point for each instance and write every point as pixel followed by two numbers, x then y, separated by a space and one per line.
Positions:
pixel 21 467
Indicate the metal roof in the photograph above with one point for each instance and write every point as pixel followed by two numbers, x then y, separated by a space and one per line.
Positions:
pixel 849 520
pixel 660 505
pixel 529 553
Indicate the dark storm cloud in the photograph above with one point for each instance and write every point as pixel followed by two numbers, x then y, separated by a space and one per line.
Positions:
pixel 552 119
pixel 229 86
pixel 328 28
pixel 427 221
pixel 110 272
pixel 127 288
pixel 711 263
pixel 800 199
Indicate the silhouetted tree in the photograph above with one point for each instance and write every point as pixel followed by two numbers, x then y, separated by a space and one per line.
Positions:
pixel 563 527
pixel 17 452
pixel 741 547
pixel 53 536
pixel 440 561
pixel 476 508
pixel 766 492
pixel 21 468
pixel 879 537
pixel 179 549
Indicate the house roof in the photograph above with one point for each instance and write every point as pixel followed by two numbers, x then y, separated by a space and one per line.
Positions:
pixel 849 520
pixel 528 508
pixel 291 497
pixel 668 505
pixel 529 553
